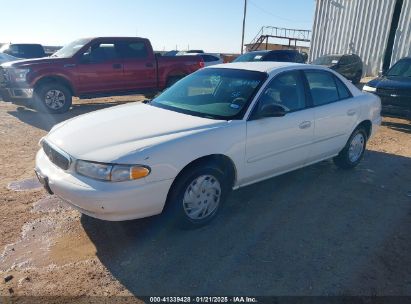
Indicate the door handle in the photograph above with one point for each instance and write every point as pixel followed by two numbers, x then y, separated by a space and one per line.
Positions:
pixel 351 112
pixel 149 65
pixel 117 66
pixel 305 125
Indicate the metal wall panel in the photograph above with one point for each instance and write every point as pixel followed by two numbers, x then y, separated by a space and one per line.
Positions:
pixel 360 27
pixel 402 43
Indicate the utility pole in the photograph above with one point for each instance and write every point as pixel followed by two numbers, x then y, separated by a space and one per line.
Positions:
pixel 242 37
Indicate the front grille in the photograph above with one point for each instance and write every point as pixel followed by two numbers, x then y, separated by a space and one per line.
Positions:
pixel 56 157
pixel 395 97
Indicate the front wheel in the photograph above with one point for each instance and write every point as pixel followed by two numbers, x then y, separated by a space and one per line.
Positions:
pixel 53 98
pixel 353 151
pixel 197 196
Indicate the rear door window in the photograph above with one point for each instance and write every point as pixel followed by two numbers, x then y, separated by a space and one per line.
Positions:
pixel 134 49
pixel 322 86
pixel 343 91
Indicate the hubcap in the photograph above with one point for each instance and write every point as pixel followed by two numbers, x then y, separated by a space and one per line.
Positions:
pixel 55 99
pixel 356 147
pixel 202 197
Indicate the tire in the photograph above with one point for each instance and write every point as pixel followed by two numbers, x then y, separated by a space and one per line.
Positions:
pixel 353 151
pixel 189 207
pixel 357 78
pixel 53 98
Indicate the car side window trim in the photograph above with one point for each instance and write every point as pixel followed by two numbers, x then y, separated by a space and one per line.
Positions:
pixel 252 116
pixel 334 77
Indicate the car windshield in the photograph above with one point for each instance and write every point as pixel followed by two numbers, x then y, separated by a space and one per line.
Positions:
pixel 70 49
pixel 253 56
pixel 212 93
pixel 401 69
pixel 327 60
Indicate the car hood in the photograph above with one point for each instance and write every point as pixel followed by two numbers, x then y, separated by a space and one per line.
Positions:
pixel 112 134
pixel 389 82
pixel 27 63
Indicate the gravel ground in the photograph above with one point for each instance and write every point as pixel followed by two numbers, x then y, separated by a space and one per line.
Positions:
pixel 315 231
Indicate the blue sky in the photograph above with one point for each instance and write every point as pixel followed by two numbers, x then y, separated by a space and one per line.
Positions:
pixel 212 25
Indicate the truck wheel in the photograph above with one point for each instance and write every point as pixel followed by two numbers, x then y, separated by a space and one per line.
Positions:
pixel 53 98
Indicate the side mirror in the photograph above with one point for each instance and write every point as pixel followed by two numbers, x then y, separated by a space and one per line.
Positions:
pixel 273 111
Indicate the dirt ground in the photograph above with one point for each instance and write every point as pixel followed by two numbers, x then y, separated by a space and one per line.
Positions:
pixel 316 231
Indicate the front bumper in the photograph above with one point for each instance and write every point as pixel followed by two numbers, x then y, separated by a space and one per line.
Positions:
pixel 394 102
pixel 105 200
pixel 16 93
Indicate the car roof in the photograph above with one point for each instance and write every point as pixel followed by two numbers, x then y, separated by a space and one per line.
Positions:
pixel 258 66
pixel 272 51
pixel 339 55
pixel 18 43
pixel 257 52
pixel 284 51
pixel 201 54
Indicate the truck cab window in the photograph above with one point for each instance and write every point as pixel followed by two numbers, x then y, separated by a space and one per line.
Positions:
pixel 137 50
pixel 101 52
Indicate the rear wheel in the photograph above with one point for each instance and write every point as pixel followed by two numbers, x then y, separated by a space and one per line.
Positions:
pixel 53 98
pixel 353 151
pixel 197 195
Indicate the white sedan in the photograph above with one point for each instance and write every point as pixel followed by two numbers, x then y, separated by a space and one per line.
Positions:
pixel 218 129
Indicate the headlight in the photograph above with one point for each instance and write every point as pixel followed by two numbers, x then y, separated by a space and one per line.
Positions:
pixel 367 88
pixel 110 172
pixel 19 75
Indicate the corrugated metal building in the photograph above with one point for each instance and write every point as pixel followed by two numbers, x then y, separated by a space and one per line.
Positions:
pixel 379 31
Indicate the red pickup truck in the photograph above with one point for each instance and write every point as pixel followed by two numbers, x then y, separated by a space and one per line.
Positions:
pixel 93 67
